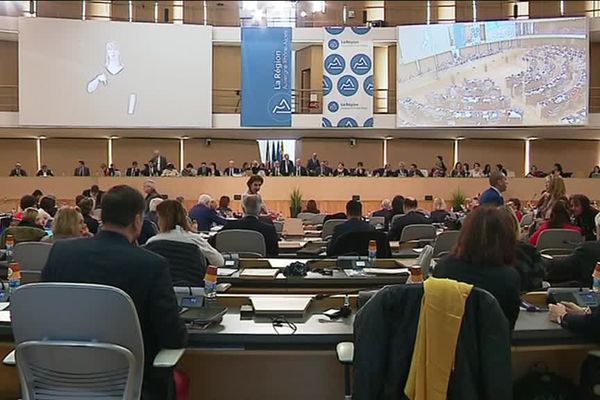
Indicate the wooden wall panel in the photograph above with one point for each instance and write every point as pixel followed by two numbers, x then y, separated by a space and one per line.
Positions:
pixel 369 151
pixel 220 151
pixel 60 9
pixel 509 153
pixel 9 76
pixel 544 8
pixel 577 156
pixel 62 155
pixel 420 152
pixel 125 151
pixel 405 13
pixel 227 79
pixel 18 150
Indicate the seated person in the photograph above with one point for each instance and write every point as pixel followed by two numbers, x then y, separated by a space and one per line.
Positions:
pixel 67 224
pixel 414 171
pixel 311 207
pixel 251 205
pixel 86 205
pixel 173 225
pixel 170 170
pixel 484 257
pixel 385 211
pixel 189 170
pixel 595 172
pixel 110 258
pixel 29 229
pixel 341 170
pixel 559 219
pixel 223 209
pixel 412 216
pixel 359 170
pixel 583 215
pixel 439 213
pixel 204 215
pixel 27 201
pixel 354 223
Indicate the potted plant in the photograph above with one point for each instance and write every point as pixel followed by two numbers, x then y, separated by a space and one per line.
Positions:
pixel 295 203
pixel 458 200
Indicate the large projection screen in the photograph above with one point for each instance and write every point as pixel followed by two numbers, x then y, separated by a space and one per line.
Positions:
pixel 114 74
pixel 497 73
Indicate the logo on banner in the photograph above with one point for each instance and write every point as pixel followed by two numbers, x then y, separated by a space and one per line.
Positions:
pixel 335 64
pixel 325 123
pixel 279 107
pixel 368 123
pixel 368 85
pixel 361 30
pixel 360 64
pixel 335 30
pixel 333 106
pixel 333 44
pixel 347 85
pixel 327 85
pixel 347 122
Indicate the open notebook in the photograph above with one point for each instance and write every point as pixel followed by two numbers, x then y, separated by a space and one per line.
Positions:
pixel 280 305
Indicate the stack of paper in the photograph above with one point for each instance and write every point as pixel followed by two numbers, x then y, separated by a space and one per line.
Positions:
pixel 259 273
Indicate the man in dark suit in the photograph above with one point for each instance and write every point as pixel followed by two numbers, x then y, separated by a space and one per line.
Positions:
pixel 204 215
pixel 412 216
pixel 44 171
pixel 251 205
pixel 313 165
pixel 493 195
pixel 95 194
pixel 134 170
pixel 276 170
pixel 299 170
pixel 359 170
pixel 81 169
pixel 324 169
pixel 160 162
pixel 385 211
pixel 287 166
pixel 17 171
pixel 231 170
pixel 204 170
pixel 354 223
pixel 109 258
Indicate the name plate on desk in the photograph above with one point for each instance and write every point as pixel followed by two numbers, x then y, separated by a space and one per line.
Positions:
pixel 259 273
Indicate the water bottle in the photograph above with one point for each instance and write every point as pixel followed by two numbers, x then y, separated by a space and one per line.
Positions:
pixel 210 284
pixel 372 254
pixel 14 277
pixel 9 243
pixel 596 278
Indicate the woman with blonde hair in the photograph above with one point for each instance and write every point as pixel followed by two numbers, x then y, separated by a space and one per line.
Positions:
pixel 439 213
pixel 555 191
pixel 174 225
pixel 68 223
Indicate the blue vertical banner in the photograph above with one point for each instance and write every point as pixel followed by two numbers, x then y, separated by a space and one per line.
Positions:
pixel 348 84
pixel 266 77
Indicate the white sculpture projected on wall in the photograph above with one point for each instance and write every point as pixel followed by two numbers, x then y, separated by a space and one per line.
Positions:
pixel 114 66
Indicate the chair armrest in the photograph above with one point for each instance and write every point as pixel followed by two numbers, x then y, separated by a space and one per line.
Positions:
pixel 594 353
pixel 10 359
pixel 345 352
pixel 167 358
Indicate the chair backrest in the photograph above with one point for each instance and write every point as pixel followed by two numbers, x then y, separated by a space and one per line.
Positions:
pixel 417 232
pixel 306 217
pixel 32 256
pixel 22 234
pixel 444 243
pixel 559 241
pixel 357 243
pixel 424 260
pixel 329 227
pixel 242 242
pixel 377 221
pixel 85 342
pixel 527 219
pixel 318 219
pixel 186 262
pixel 278 227
pixel 394 218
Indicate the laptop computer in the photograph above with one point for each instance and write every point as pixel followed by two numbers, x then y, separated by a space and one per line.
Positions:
pixel 281 305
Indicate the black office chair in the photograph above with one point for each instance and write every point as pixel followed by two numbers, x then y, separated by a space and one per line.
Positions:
pixel 357 243
pixel 186 261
